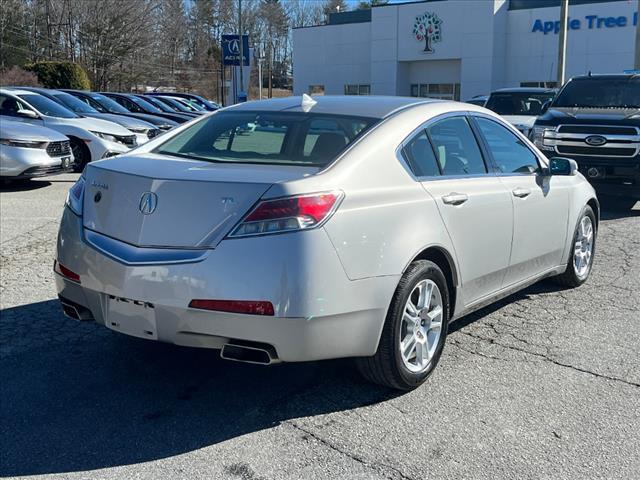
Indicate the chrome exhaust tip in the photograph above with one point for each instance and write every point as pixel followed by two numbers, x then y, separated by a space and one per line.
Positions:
pixel 74 311
pixel 249 352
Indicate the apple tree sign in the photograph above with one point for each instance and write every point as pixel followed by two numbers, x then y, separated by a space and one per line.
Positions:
pixel 427 28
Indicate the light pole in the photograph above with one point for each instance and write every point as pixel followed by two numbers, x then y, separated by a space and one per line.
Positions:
pixel 562 41
pixel 260 58
pixel 241 61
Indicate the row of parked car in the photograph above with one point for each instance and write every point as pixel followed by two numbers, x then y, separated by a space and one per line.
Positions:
pixel 45 131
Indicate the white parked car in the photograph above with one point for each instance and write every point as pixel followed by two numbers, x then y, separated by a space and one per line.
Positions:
pixel 340 227
pixel 28 151
pixel 520 106
pixel 90 138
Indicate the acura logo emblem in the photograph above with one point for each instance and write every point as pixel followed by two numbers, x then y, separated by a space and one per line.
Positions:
pixel 234 46
pixel 148 203
pixel 595 140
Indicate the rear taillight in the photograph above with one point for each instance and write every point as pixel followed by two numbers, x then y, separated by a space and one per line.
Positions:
pixel 300 212
pixel 75 197
pixel 248 307
pixel 66 272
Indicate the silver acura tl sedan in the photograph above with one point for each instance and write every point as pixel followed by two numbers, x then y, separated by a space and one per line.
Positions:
pixel 307 228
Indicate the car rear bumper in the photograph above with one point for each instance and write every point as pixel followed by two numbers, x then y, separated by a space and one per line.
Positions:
pixel 319 312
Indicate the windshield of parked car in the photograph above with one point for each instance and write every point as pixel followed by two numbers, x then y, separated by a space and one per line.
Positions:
pixel 110 106
pixel 72 103
pixel 596 92
pixel 146 106
pixel 276 138
pixel 518 103
pixel 175 104
pixel 162 106
pixel 47 106
pixel 190 104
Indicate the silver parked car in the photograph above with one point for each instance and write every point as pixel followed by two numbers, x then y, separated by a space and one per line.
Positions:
pixel 302 229
pixel 28 151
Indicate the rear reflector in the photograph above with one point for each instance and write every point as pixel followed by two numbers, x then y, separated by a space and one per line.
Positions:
pixel 249 307
pixel 65 272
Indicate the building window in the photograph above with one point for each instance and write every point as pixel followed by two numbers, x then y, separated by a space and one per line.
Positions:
pixel 539 84
pixel 357 89
pixel 316 89
pixel 442 91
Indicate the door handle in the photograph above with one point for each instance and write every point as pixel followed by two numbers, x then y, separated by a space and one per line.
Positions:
pixel 455 198
pixel 521 192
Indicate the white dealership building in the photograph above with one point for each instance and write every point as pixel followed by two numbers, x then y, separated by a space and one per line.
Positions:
pixel 460 48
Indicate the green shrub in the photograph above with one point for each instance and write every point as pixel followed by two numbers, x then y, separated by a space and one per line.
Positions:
pixel 60 75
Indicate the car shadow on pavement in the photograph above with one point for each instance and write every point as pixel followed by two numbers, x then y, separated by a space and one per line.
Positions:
pixel 613 208
pixel 22 185
pixel 77 397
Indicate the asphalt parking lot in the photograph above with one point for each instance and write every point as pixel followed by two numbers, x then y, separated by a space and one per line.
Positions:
pixel 545 384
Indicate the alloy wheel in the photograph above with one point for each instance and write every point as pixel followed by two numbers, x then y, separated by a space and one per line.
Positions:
pixel 583 248
pixel 421 326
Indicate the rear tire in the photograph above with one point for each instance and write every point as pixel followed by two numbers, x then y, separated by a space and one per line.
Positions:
pixel 418 314
pixel 582 250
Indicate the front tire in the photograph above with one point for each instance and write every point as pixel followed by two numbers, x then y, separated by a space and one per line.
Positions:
pixel 81 154
pixel 583 249
pixel 414 332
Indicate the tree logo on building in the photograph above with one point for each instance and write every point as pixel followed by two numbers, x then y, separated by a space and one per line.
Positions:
pixel 427 27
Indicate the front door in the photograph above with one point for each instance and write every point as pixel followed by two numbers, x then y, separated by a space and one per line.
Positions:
pixel 540 203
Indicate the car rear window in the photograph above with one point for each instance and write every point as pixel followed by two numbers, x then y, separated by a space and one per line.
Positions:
pixel 283 138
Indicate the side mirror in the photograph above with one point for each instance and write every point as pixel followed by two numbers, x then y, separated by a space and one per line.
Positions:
pixel 545 106
pixel 27 113
pixel 562 166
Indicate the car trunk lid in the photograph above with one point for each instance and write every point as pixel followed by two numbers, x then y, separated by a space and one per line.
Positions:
pixel 154 201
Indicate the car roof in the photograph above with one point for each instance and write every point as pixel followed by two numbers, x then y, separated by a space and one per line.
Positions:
pixel 525 90
pixel 47 92
pixel 607 76
pixel 360 106
pixel 17 91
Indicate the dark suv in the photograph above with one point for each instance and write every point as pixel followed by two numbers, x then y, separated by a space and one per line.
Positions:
pixel 595 119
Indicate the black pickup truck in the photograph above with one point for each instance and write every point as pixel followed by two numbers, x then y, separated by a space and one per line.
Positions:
pixel 595 120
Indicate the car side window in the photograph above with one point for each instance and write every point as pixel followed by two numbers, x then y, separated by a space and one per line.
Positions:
pixel 128 104
pixel 9 106
pixel 509 152
pixel 94 104
pixel 420 156
pixel 456 147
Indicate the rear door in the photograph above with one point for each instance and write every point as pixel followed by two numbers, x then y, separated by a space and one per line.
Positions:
pixel 540 202
pixel 474 204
